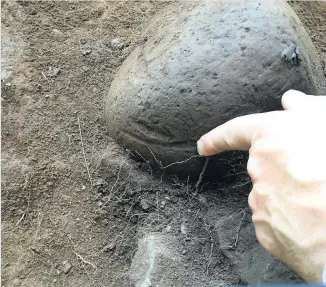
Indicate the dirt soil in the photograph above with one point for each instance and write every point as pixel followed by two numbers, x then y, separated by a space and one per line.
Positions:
pixel 74 204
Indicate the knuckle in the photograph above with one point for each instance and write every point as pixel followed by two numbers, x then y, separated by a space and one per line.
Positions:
pixel 228 138
pixel 264 234
pixel 254 167
pixel 259 133
pixel 261 237
pixel 258 198
pixel 250 168
pixel 252 201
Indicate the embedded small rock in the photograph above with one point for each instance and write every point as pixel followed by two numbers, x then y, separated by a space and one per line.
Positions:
pixel 66 267
pixel 145 204
pixel 110 246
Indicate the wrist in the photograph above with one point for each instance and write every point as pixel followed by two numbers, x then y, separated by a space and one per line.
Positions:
pixel 315 269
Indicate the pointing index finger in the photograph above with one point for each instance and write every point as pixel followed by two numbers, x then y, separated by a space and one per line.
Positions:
pixel 236 134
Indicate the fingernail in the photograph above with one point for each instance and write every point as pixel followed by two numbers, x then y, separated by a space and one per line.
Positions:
pixel 200 147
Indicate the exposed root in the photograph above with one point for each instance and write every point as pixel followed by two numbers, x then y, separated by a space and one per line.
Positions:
pixel 209 260
pixel 180 162
pixel 173 163
pixel 200 179
pixel 84 260
pixel 239 227
pixel 235 244
pixel 242 184
pixel 160 164
pixel 147 161
pixel 118 176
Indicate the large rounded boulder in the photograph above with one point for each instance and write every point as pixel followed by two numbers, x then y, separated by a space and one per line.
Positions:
pixel 201 64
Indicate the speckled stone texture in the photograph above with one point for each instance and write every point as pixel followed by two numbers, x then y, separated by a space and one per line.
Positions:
pixel 201 64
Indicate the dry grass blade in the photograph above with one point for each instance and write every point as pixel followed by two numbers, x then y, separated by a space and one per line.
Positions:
pixel 83 150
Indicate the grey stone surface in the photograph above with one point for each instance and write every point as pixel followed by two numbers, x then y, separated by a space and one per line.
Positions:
pixel 201 64
pixel 11 47
pixel 253 264
pixel 156 262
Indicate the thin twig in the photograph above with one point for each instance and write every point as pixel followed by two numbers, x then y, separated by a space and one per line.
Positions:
pixel 84 260
pixel 242 184
pixel 83 149
pixel 233 174
pixel 162 177
pixel 209 259
pixel 200 179
pixel 79 256
pixel 173 163
pixel 45 260
pixel 144 159
pixel 28 201
pixel 118 176
pixel 157 207
pixel 45 77
pixel 183 161
pixel 160 164
pixel 21 218
pixel 234 245
pixel 238 231
pixel 147 161
pixel 111 194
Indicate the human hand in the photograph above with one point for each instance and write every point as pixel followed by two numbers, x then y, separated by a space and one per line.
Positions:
pixel 287 165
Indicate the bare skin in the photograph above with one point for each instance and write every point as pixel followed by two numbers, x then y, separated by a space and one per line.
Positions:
pixel 287 165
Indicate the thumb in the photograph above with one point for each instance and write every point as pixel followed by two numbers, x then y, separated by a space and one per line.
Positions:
pixel 296 100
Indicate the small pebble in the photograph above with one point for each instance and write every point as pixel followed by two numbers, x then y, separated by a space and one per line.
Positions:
pixel 57 32
pixel 133 219
pixel 87 52
pixel 116 43
pixel 66 267
pixel 100 182
pixel 53 72
pixel 202 199
pixel 109 247
pixel 105 221
pixel 183 229
pixel 145 204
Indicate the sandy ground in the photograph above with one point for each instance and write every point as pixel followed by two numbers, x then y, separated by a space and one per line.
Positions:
pixel 73 203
